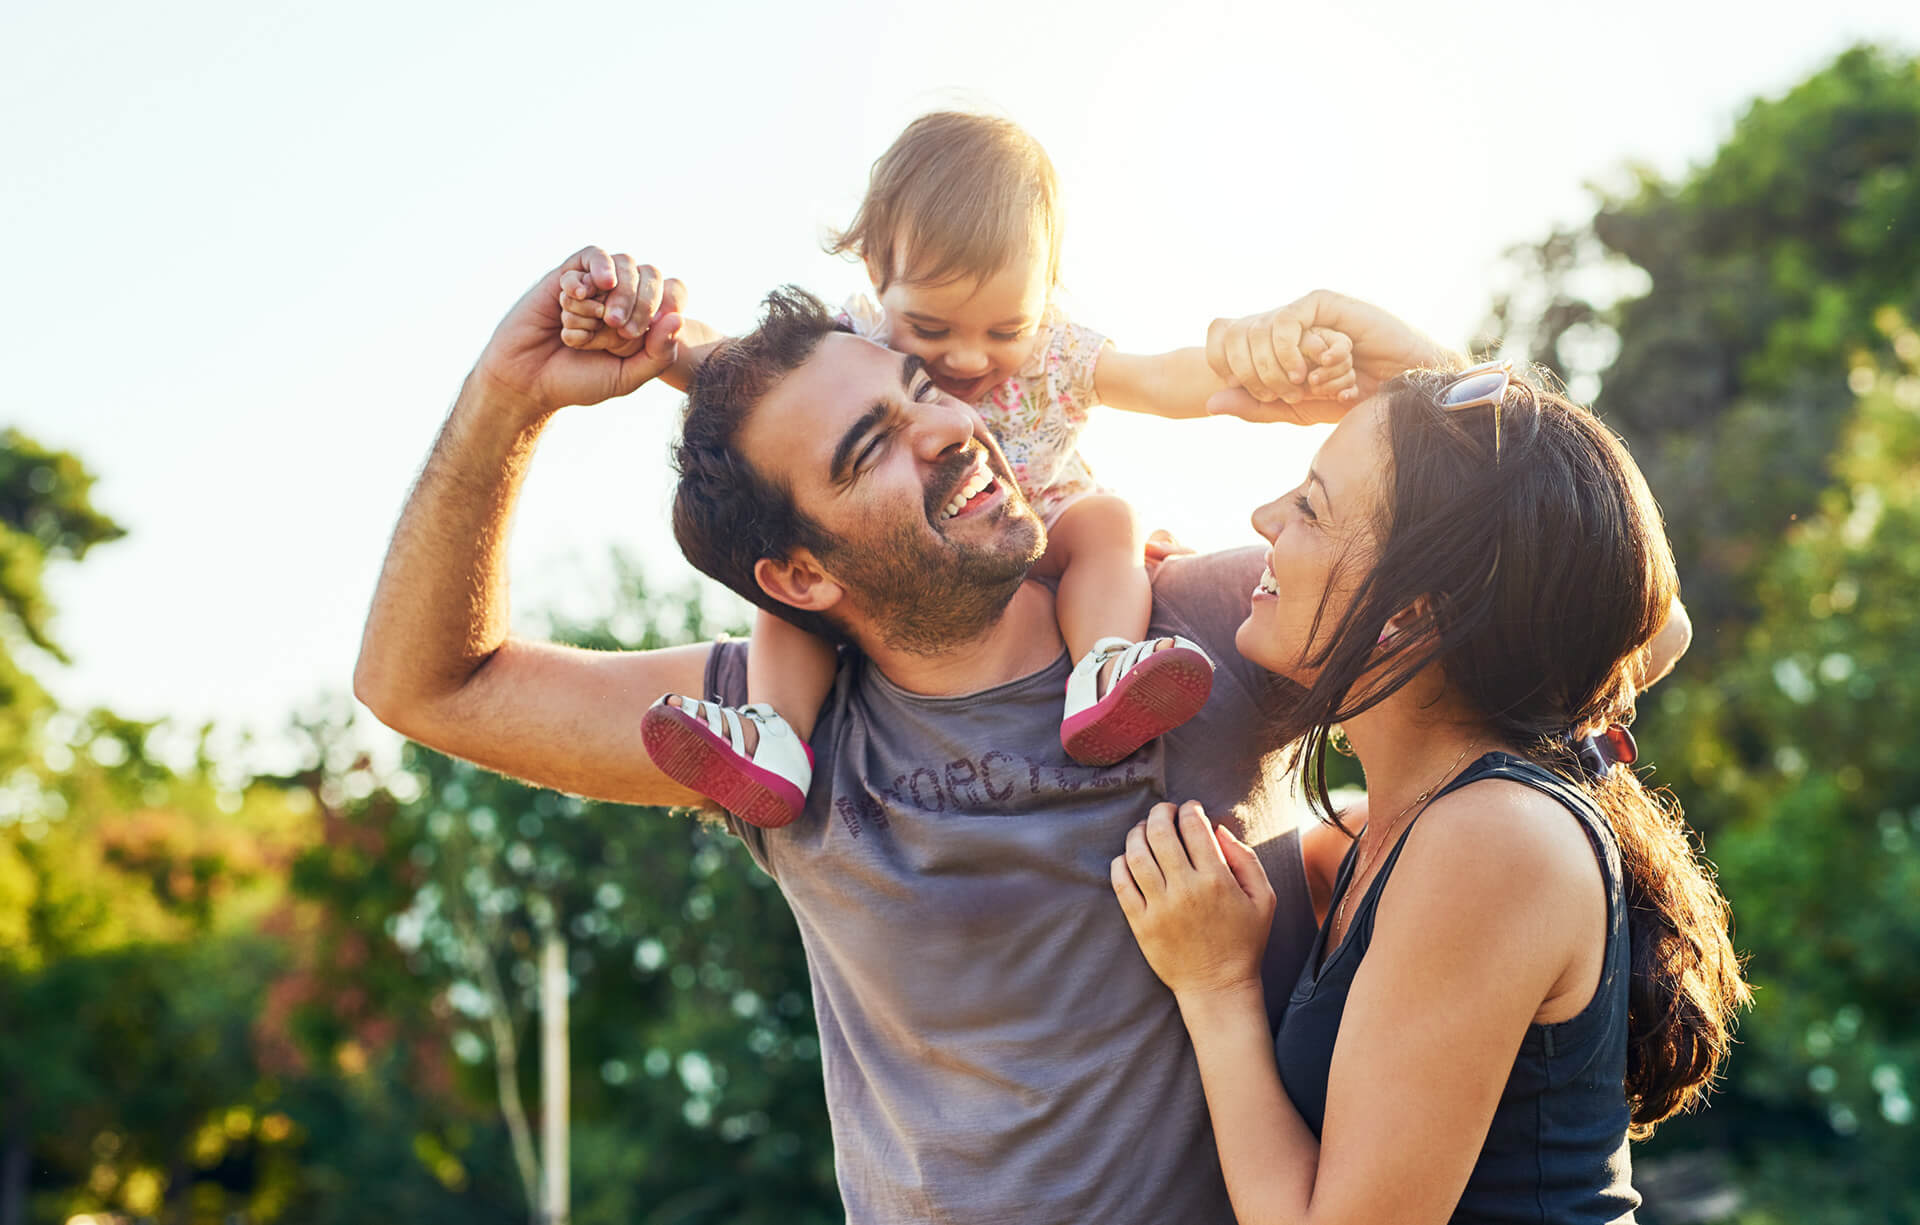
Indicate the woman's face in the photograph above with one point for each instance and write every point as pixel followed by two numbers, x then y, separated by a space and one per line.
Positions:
pixel 1323 545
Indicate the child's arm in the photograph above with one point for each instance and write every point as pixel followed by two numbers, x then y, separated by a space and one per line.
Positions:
pixel 583 325
pixel 1177 384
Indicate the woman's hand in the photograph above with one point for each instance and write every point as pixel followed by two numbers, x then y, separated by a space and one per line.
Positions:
pixel 1272 355
pixel 1197 899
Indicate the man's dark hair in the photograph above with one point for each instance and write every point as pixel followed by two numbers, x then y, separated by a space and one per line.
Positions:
pixel 727 516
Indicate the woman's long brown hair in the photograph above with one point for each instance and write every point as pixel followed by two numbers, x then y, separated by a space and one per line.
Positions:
pixel 1545 573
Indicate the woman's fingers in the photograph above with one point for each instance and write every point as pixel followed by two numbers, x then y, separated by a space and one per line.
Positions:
pixel 1123 887
pixel 1163 836
pixel 1151 882
pixel 1196 832
pixel 1245 865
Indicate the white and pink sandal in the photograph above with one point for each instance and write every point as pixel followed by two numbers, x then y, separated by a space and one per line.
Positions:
pixel 1152 692
pixel 703 746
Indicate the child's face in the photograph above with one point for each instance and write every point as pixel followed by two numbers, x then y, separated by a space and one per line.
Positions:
pixel 972 334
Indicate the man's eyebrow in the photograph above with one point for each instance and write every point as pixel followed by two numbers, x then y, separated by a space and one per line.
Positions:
pixel 870 420
pixel 843 451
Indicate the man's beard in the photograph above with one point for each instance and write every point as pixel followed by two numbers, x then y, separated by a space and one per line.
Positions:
pixel 926 596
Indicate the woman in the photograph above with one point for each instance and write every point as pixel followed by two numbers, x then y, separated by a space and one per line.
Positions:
pixel 1520 961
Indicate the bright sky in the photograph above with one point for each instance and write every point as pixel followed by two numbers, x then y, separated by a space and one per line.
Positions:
pixel 251 248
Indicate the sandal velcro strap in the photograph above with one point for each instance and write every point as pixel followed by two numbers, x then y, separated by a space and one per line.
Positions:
pixel 1154 689
pixel 703 747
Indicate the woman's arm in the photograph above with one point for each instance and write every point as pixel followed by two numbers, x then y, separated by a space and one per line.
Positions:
pixel 1264 354
pixel 1474 934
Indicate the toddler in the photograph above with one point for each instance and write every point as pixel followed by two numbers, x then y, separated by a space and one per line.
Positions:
pixel 960 235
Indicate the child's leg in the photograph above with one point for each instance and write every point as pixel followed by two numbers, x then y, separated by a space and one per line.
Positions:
pixel 717 750
pixel 1130 691
pixel 790 670
pixel 1097 548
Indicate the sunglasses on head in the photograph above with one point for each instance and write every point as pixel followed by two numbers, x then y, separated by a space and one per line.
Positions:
pixel 1478 386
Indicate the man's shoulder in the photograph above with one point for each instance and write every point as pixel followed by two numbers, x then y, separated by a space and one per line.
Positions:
pixel 1206 597
pixel 1205 589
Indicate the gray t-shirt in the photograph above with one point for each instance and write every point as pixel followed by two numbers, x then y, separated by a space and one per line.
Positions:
pixel 995 1047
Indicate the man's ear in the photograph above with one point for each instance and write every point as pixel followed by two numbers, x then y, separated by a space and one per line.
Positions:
pixel 800 580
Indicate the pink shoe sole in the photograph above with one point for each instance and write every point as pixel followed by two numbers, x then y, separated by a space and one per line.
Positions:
pixel 688 752
pixel 1163 691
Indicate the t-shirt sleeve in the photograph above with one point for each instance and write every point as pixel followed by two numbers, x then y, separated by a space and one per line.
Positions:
pixel 1206 597
pixel 1073 351
pixel 726 683
pixel 1209 594
pixel 863 316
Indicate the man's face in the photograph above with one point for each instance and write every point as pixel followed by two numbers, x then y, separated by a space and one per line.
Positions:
pixel 932 536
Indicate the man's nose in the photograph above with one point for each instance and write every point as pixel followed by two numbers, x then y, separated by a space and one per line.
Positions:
pixel 940 425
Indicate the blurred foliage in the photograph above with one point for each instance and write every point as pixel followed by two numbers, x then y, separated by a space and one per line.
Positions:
pixel 274 999
pixel 46 514
pixel 1761 272
pixel 1796 752
pixel 1746 328
pixel 696 1088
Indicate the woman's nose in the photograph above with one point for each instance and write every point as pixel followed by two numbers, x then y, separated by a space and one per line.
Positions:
pixel 1266 519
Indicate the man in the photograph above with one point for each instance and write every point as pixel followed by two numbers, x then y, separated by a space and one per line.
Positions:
pixel 994 1046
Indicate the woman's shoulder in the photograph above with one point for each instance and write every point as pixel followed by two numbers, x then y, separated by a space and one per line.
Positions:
pixel 1506 852
pixel 1492 827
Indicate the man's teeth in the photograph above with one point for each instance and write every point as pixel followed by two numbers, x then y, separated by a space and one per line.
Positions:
pixel 1267 585
pixel 980 479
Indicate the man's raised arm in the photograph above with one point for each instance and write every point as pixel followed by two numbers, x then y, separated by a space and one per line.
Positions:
pixel 437 663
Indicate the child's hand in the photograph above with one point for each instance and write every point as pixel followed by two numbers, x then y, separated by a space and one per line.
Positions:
pixel 1263 359
pixel 1197 899
pixel 584 308
pixel 1333 376
pixel 1276 369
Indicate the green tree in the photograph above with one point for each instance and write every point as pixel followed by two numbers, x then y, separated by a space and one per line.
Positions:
pixel 1758 367
pixel 1800 748
pixel 696 1085
pixel 1763 270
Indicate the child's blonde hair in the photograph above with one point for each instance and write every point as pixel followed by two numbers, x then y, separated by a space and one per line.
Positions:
pixel 957 195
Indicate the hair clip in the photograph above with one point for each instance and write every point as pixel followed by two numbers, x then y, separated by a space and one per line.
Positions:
pixel 1599 754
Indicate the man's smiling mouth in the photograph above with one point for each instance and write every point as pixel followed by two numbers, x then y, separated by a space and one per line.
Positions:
pixel 978 486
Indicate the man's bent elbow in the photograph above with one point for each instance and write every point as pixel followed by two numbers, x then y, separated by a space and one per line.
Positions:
pixel 375 692
pixel 381 685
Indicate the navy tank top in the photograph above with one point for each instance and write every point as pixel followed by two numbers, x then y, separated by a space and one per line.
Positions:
pixel 1557 1147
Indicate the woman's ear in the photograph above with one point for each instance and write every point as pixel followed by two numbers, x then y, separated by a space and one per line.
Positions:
pixel 1417 613
pixel 799 580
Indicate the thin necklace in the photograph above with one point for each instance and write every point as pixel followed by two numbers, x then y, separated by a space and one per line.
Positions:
pixel 1366 861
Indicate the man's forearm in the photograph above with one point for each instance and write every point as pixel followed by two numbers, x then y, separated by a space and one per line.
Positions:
pixel 441 609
